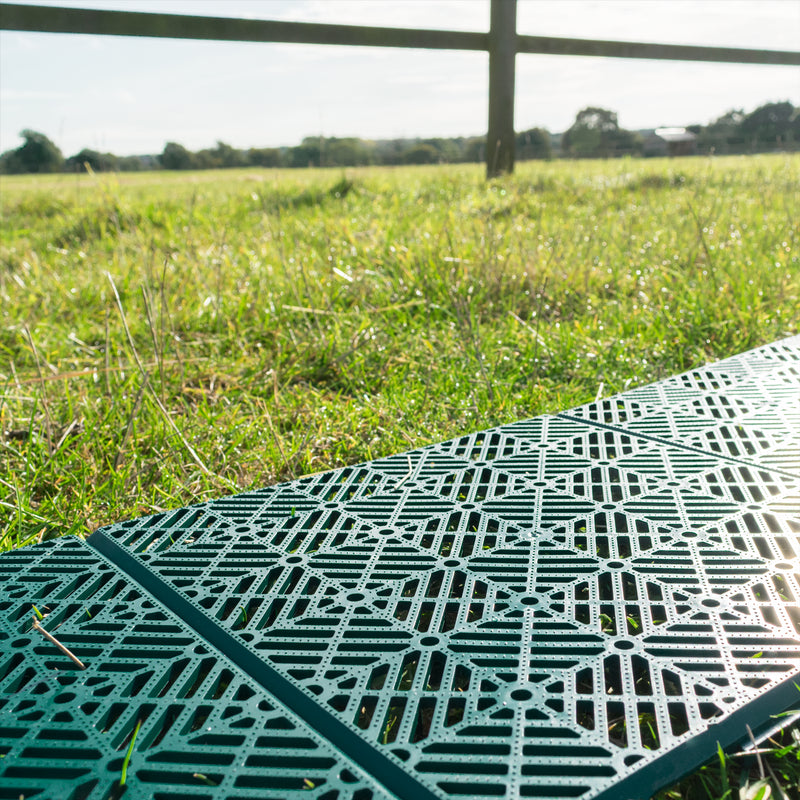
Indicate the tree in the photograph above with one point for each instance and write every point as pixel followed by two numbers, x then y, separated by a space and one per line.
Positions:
pixel 97 162
pixel 724 135
pixel 9 164
pixel 223 156
pixel 346 153
pixel 390 151
pixel 134 163
pixel 36 154
pixel 772 125
pixel 176 156
pixel 533 143
pixel 228 157
pixel 421 154
pixel 448 151
pixel 475 149
pixel 264 157
pixel 596 134
pixel 306 154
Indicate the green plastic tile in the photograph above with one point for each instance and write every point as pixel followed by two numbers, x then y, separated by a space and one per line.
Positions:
pixel 579 605
pixel 207 729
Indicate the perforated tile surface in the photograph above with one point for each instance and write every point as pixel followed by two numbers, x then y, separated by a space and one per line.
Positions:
pixel 208 730
pixel 578 605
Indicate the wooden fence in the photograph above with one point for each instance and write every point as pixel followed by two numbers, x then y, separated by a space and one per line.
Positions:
pixel 502 42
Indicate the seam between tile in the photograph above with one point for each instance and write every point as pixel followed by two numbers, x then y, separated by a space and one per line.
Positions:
pixel 385 771
pixel 679 445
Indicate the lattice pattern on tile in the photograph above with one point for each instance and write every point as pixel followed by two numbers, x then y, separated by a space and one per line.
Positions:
pixel 746 407
pixel 207 730
pixel 547 609
pixel 540 609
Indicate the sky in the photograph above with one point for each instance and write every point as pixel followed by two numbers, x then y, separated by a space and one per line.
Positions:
pixel 130 95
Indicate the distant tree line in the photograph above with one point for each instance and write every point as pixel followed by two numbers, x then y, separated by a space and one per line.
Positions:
pixel 774 126
pixel 594 134
pixel 318 151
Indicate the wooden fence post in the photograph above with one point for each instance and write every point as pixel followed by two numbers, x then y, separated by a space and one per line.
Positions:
pixel 502 59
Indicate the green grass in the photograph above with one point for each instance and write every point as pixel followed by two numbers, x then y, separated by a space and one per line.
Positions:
pixel 283 323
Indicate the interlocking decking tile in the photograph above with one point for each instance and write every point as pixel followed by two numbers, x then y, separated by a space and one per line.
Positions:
pixel 579 605
pixel 208 730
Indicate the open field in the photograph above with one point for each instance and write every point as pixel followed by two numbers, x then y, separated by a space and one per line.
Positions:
pixel 171 337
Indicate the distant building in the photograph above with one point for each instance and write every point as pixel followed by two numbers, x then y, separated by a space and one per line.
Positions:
pixel 670 142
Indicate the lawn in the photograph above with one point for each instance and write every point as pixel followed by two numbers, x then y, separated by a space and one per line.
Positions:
pixel 167 338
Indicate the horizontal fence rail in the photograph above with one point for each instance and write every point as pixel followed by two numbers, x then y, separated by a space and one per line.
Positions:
pixel 46 19
pixel 179 26
pixel 555 46
pixel 502 42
